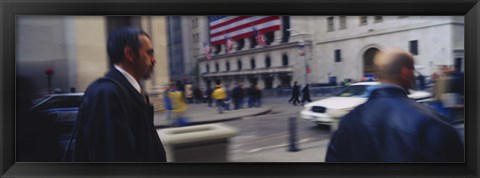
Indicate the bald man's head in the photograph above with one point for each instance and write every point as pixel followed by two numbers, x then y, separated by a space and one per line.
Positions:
pixel 394 66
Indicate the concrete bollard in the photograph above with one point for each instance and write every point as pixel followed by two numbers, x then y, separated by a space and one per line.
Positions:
pixel 200 143
pixel 292 125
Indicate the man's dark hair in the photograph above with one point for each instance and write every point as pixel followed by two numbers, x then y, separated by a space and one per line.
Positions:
pixel 121 38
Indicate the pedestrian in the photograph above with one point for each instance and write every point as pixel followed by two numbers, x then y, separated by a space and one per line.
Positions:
pixel 238 93
pixel 257 96
pixel 390 127
pixel 421 82
pixel 453 98
pixel 250 95
pixel 306 94
pixel 175 106
pixel 295 94
pixel 115 118
pixel 208 96
pixel 188 92
pixel 219 96
pixel 198 95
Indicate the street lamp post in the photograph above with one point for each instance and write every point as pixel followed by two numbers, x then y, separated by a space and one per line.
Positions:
pixel 302 44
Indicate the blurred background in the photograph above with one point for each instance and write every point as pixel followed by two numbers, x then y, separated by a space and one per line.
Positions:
pixel 60 56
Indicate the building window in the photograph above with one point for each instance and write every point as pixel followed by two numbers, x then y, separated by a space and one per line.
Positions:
pixel 330 24
pixel 240 44
pixel 194 22
pixel 343 22
pixel 227 66
pixel 195 38
pixel 239 64
pixel 286 26
pixel 253 42
pixel 338 55
pixel 284 60
pixel 208 68
pixel 414 47
pixel 268 62
pixel 252 63
pixel 378 19
pixel 269 37
pixel 218 48
pixel 217 67
pixel 363 20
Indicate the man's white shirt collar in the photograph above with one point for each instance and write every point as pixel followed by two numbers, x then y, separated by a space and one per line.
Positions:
pixel 130 78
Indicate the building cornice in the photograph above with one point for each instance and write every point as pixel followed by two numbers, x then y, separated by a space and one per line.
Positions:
pixel 255 51
pixel 382 33
pixel 287 69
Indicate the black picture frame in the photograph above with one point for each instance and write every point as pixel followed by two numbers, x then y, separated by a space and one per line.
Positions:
pixel 10 9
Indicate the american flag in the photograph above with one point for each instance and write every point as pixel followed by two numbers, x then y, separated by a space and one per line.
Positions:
pixel 207 50
pixel 229 44
pixel 259 37
pixel 238 27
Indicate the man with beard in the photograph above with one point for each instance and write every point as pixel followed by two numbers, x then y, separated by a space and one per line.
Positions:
pixel 115 119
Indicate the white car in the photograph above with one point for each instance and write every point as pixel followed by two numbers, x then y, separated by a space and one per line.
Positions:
pixel 328 111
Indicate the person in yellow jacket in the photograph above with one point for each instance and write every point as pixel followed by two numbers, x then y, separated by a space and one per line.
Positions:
pixel 219 95
pixel 175 106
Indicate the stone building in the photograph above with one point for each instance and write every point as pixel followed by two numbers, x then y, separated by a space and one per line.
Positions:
pixel 75 48
pixel 335 48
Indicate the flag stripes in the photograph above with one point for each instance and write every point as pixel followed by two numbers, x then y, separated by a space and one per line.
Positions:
pixel 237 27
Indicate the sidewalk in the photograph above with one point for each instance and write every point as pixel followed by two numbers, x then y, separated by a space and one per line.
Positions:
pixel 308 152
pixel 202 114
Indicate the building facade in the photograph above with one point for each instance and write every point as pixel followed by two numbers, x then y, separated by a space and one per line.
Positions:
pixel 334 48
pixel 75 48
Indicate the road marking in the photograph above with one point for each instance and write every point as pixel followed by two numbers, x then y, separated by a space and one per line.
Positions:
pixel 274 146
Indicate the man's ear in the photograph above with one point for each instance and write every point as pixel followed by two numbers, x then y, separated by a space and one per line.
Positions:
pixel 129 55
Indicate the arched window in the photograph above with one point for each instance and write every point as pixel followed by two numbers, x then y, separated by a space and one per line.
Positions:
pixel 269 37
pixel 285 60
pixel 368 60
pixel 217 68
pixel 252 63
pixel 268 62
pixel 239 64
pixel 227 66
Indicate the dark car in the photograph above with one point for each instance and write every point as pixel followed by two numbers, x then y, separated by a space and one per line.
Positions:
pixel 62 108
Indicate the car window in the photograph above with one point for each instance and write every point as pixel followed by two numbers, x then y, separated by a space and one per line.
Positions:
pixel 354 91
pixel 61 102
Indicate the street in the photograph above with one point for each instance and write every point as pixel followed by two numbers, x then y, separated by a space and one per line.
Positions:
pixel 265 133
pixel 265 137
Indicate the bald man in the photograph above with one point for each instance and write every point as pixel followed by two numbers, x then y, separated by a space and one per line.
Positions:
pixel 390 127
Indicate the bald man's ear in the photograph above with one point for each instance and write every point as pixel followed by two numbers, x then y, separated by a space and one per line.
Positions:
pixel 407 74
pixel 129 55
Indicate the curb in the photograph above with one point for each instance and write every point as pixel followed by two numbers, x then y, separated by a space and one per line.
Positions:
pixel 220 120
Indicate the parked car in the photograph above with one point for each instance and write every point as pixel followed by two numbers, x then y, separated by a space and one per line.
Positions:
pixel 62 108
pixel 325 111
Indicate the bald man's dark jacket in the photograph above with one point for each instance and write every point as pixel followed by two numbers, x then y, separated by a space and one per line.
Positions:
pixel 390 127
pixel 115 124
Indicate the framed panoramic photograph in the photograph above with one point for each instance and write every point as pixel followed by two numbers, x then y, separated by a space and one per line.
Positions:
pixel 288 70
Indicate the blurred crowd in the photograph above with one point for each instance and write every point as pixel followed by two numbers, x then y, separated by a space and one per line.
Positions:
pixel 177 96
